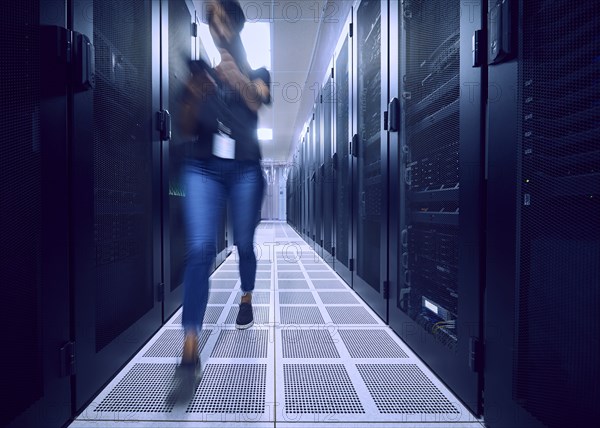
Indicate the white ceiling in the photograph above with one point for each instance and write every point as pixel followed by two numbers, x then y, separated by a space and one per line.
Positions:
pixel 295 48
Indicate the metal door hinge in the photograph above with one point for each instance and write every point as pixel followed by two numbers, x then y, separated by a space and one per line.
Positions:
pixel 476 48
pixel 386 289
pixel 67 359
pixel 194 29
pixel 160 292
pixel 350 30
pixel 351 265
pixel 475 354
pixel 163 124
pixel 332 251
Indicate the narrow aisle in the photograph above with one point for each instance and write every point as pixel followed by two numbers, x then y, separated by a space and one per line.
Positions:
pixel 316 356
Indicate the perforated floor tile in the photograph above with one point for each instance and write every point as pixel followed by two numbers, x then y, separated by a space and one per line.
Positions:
pixel 352 315
pixel 221 284
pixel 250 343
pixel 231 388
pixel 321 275
pixel 262 284
pixel 338 297
pixel 170 343
pixel 145 388
pixel 258 298
pixel 370 344
pixel 261 314
pixel 226 274
pixel 210 317
pixel 403 388
pixel 301 343
pixel 289 275
pixel 296 298
pixel 319 388
pixel 314 267
pixel 263 275
pixel 292 267
pixel 291 284
pixel 328 284
pixel 218 297
pixel 300 315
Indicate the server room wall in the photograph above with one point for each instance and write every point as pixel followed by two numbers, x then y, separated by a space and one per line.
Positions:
pixel 92 248
pixel 491 180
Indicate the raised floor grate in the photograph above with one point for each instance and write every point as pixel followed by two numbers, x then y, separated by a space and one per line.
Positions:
pixel 308 315
pixel 292 284
pixel 218 297
pixel 370 344
pixel 328 284
pixel 261 314
pixel 319 388
pixel 403 388
pixel 170 343
pixel 289 275
pixel 231 388
pixel 223 284
pixel 258 297
pixel 251 343
pixel 350 315
pixel 337 298
pixel 211 316
pixel 300 343
pixel 296 298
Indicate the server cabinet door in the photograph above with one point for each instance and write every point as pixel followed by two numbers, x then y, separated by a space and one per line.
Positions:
pixel 34 309
pixel 342 165
pixel 543 267
pixel 318 231
pixel 115 171
pixel 178 47
pixel 369 148
pixel 436 299
pixel 327 169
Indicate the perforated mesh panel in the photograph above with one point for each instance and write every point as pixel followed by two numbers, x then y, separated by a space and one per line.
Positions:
pixel 337 297
pixel 316 267
pixel 297 343
pixel 262 284
pixel 322 275
pixel 218 297
pixel 403 388
pixel 261 314
pixel 223 284
pixel 350 315
pixel 231 388
pixel 371 344
pixel 250 343
pixel 300 315
pixel 292 284
pixel 431 90
pixel 296 298
pixel 319 388
pixel 211 315
pixel 290 275
pixel 326 284
pixel 225 274
pixel 20 206
pixel 258 298
pixel 170 343
pixel 146 388
pixel 122 165
pixel 288 267
pixel 559 128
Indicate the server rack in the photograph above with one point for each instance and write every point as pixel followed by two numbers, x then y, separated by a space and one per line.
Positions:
pixel 327 167
pixel 542 331
pixel 34 319
pixel 317 177
pixel 115 155
pixel 341 162
pixel 370 154
pixel 435 302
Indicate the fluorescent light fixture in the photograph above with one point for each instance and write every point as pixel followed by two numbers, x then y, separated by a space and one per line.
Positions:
pixel 256 37
pixel 264 134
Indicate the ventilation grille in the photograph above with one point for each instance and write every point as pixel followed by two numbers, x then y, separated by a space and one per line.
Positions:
pixel 296 298
pixel 261 314
pixel 326 284
pixel 371 344
pixel 218 298
pixel 336 297
pixel 211 315
pixel 403 388
pixel 122 158
pixel 292 284
pixel 170 343
pixel 147 388
pixel 298 343
pixel 225 274
pixel 319 388
pixel 262 284
pixel 231 388
pixel 21 206
pixel 350 315
pixel 223 284
pixel 290 275
pixel 300 315
pixel 560 204
pixel 288 267
pixel 241 344
pixel 258 298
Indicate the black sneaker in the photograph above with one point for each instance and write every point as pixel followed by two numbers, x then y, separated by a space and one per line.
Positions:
pixel 187 378
pixel 245 318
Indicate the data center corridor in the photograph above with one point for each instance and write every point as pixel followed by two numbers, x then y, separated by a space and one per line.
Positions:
pixel 317 356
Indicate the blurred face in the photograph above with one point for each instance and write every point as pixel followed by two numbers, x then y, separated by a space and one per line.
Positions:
pixel 219 25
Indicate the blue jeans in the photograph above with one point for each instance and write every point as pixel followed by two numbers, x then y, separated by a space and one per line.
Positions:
pixel 209 184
